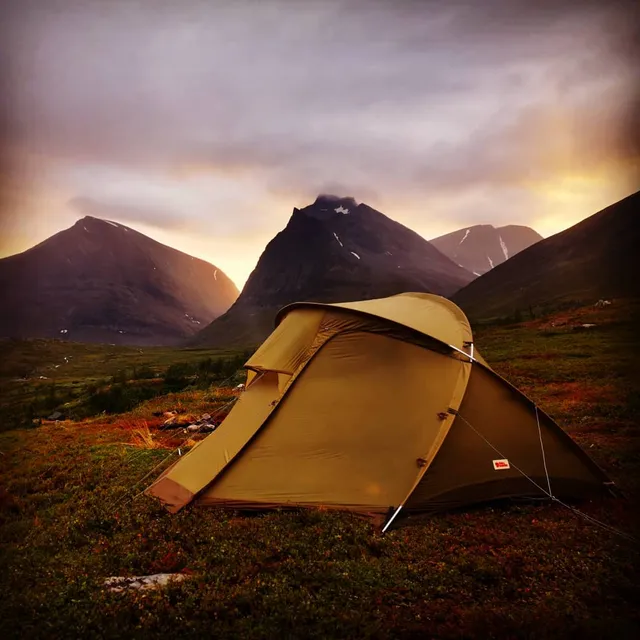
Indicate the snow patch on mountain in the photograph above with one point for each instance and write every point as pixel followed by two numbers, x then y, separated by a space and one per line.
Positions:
pixel 466 233
pixel 504 248
pixel 355 254
pixel 490 261
pixel 335 235
pixel 341 209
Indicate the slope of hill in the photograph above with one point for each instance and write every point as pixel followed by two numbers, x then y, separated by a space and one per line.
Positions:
pixel 99 281
pixel 480 248
pixel 596 258
pixel 331 251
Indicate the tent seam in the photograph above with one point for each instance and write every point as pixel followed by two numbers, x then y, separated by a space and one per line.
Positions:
pixel 440 438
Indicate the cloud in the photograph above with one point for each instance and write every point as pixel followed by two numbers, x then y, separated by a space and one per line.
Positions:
pixel 238 84
pixel 208 117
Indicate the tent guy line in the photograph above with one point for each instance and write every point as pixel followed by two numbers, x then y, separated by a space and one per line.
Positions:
pixel 544 457
pixel 586 516
pixel 168 437
pixel 169 455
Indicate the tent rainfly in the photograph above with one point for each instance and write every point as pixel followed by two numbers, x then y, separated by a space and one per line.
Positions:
pixel 373 406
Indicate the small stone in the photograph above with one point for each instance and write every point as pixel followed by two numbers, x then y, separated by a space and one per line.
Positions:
pixel 120 583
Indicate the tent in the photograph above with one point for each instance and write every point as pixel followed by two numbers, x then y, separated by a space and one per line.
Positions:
pixel 373 406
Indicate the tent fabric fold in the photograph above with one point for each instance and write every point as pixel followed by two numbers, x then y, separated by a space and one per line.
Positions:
pixel 369 405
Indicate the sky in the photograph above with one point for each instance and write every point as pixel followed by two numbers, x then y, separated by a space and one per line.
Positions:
pixel 202 123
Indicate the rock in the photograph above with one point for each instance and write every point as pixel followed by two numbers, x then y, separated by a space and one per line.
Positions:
pixel 120 583
pixel 56 415
pixel 203 427
pixel 582 327
pixel 205 416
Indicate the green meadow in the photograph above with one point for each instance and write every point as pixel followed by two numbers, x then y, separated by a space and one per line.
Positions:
pixel 72 513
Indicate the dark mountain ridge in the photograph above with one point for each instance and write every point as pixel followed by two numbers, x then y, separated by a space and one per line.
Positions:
pixel 100 281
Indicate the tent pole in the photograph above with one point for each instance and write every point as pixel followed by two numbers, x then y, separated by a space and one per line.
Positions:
pixel 391 519
pixel 464 353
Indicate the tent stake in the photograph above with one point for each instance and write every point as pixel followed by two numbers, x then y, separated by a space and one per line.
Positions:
pixel 386 526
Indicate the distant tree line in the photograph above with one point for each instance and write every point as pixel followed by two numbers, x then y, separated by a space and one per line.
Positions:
pixel 125 390
pixel 130 388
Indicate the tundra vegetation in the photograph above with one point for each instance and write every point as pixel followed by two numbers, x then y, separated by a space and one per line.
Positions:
pixel 71 513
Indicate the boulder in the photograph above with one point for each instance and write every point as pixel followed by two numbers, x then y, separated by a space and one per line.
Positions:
pixel 120 583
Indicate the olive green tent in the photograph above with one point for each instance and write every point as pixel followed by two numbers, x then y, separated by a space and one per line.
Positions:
pixel 375 405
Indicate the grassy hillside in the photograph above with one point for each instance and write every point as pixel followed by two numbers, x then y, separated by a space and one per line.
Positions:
pixel 596 258
pixel 71 515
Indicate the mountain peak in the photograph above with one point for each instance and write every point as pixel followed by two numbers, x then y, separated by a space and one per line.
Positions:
pixel 100 281
pixel 330 199
pixel 331 251
pixel 478 248
pixel 92 220
pixel 327 207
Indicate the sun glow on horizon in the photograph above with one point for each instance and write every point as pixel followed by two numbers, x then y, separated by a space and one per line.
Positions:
pixel 571 198
pixel 559 204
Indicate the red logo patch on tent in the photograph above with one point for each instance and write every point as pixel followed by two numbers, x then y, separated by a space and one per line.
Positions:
pixel 501 464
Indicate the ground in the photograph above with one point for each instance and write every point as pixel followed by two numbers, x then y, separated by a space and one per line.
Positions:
pixel 71 514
